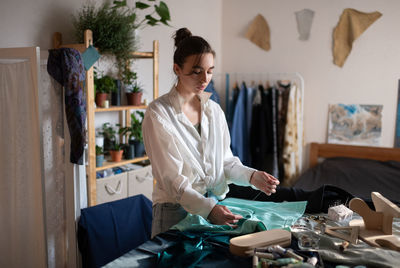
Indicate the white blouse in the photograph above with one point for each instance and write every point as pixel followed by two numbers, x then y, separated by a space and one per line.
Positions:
pixel 185 164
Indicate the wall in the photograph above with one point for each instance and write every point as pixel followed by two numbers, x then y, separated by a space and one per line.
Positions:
pixel 369 75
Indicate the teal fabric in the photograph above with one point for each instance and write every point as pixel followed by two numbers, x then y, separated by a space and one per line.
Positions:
pixel 89 57
pixel 257 216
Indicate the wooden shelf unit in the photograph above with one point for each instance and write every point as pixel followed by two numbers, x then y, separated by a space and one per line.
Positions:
pixel 91 168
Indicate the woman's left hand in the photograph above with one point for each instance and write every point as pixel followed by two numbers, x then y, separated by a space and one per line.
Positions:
pixel 264 182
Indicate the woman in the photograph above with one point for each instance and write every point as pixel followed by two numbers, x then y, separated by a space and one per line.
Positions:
pixel 188 143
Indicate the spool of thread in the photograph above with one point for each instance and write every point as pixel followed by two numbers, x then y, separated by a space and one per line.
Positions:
pixel 344 246
pixel 285 252
pixel 255 261
pixel 313 261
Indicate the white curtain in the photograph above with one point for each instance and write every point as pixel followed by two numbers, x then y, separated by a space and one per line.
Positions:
pixel 22 238
pixel 37 207
pixel 55 168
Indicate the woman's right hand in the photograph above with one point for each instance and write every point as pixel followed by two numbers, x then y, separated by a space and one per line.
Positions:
pixel 221 215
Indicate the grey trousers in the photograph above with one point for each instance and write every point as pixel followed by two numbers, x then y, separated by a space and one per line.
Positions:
pixel 166 215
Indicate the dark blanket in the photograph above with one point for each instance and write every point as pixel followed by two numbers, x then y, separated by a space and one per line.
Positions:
pixel 359 177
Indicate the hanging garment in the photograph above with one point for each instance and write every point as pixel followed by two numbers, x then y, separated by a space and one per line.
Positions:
pixel 258 33
pixel 232 105
pixel 304 20
pixel 239 132
pixel 351 25
pixel 292 148
pixel 210 88
pixel 283 99
pixel 66 67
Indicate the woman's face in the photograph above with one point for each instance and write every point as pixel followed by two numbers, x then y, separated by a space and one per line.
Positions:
pixel 196 73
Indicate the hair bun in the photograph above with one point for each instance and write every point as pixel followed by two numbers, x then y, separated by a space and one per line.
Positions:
pixel 181 34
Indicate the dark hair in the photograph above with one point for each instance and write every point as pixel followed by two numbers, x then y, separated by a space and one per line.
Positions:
pixel 186 45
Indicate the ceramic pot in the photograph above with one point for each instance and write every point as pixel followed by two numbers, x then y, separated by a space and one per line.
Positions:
pixel 99 160
pixel 139 149
pixel 116 156
pixel 100 98
pixel 134 98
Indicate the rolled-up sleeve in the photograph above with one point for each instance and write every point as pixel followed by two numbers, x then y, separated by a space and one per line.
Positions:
pixel 167 163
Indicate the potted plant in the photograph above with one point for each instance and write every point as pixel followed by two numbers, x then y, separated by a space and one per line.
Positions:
pixel 133 89
pixel 116 152
pixel 135 135
pixel 113 25
pixel 108 133
pixel 99 156
pixel 103 86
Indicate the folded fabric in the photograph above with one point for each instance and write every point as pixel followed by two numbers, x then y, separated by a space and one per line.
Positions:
pixel 90 56
pixel 351 25
pixel 258 32
pixel 257 216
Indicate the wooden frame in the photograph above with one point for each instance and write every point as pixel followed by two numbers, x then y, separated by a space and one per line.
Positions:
pixel 325 150
pixel 91 169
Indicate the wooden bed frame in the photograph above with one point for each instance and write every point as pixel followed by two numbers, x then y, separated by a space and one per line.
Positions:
pixel 325 150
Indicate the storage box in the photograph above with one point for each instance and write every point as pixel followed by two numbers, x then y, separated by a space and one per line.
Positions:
pixel 140 181
pixel 112 188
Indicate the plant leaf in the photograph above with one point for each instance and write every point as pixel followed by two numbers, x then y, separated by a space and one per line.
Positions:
pixel 121 3
pixel 150 20
pixel 163 11
pixel 141 5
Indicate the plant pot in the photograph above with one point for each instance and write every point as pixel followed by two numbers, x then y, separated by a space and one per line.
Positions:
pixel 134 98
pixel 99 160
pixel 139 149
pixel 130 151
pixel 100 98
pixel 116 156
pixel 116 96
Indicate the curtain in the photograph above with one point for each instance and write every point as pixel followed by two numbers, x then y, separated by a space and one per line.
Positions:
pixel 37 208
pixel 55 173
pixel 22 241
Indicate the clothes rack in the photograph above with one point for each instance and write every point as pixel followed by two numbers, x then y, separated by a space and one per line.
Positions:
pixel 251 79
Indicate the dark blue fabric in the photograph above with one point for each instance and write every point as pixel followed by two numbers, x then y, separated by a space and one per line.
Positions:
pixel 109 230
pixel 210 88
pixel 66 67
pixel 239 132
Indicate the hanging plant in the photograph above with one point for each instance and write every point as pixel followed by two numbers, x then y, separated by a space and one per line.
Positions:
pixel 113 26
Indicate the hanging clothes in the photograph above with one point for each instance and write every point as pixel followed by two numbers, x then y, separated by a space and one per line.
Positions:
pixel 210 88
pixel 293 142
pixel 283 91
pixel 66 67
pixel 239 133
pixel 263 134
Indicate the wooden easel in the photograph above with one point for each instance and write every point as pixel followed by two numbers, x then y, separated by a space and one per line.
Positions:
pixel 376 226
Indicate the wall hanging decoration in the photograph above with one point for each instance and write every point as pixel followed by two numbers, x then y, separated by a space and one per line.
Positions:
pixel 355 124
pixel 304 20
pixel 258 33
pixel 352 24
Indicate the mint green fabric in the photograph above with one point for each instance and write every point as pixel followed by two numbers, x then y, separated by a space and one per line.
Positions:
pixel 257 216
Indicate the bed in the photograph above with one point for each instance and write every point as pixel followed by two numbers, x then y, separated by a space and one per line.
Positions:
pixel 357 169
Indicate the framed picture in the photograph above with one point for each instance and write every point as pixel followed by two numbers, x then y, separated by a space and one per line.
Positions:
pixel 355 124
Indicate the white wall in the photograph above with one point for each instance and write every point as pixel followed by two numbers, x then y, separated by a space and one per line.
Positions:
pixel 369 75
